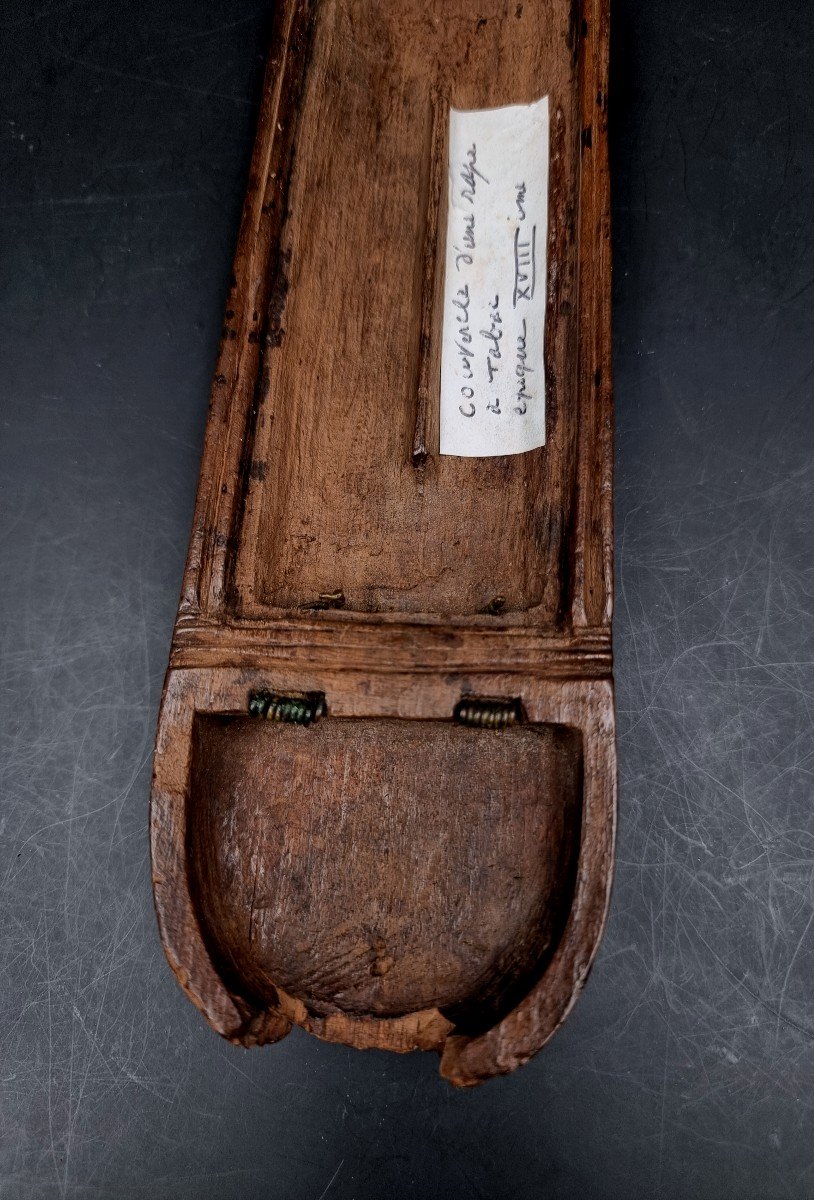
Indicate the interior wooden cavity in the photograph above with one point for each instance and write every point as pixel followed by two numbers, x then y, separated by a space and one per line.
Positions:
pixel 333 501
pixel 383 867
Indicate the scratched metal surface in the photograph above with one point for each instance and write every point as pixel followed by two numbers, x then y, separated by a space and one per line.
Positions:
pixel 687 1070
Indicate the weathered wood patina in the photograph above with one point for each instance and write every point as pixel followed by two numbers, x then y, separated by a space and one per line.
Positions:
pixel 383 804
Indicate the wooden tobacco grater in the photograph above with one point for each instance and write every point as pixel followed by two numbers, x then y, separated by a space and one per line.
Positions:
pixel 384 802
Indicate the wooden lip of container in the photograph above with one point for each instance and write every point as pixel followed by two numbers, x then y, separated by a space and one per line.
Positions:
pixel 427 862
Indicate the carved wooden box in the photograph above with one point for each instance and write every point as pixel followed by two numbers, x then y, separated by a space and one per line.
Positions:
pixel 416 850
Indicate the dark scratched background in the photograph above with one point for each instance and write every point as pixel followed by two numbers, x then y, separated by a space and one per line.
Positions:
pixel 687 1069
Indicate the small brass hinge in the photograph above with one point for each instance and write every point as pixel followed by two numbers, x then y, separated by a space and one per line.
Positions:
pixel 488 712
pixel 300 710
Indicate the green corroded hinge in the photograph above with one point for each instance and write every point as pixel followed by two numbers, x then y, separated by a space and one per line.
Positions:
pixel 488 712
pixel 478 712
pixel 299 710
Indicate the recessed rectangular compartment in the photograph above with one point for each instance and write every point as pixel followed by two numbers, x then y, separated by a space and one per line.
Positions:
pixel 334 500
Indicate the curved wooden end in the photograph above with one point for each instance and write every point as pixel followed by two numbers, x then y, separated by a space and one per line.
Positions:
pixel 387 883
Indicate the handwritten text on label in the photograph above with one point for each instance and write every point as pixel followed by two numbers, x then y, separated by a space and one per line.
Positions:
pixel 492 363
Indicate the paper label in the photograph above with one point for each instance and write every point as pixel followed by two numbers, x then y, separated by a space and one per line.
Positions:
pixel 492 363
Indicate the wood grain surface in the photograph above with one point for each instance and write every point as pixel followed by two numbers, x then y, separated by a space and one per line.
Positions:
pixel 386 877
pixel 357 848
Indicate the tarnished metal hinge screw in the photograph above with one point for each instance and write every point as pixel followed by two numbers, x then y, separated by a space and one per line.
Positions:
pixel 300 710
pixel 488 712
